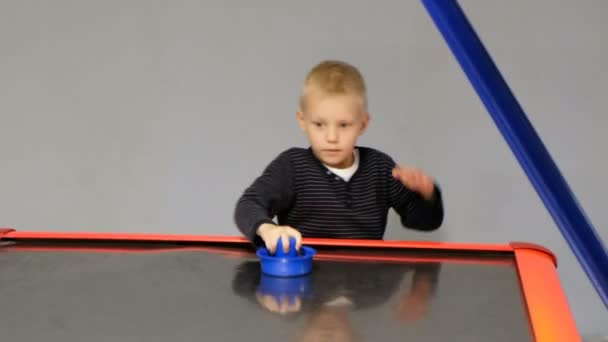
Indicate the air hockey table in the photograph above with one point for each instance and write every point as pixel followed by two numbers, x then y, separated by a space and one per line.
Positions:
pixel 61 286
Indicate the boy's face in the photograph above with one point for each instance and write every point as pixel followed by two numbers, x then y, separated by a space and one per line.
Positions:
pixel 333 124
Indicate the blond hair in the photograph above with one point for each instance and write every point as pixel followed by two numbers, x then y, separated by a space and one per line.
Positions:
pixel 332 77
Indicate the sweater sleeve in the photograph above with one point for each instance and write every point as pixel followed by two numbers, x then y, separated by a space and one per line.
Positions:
pixel 415 212
pixel 270 194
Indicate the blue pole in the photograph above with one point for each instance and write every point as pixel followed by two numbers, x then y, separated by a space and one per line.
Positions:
pixel 523 140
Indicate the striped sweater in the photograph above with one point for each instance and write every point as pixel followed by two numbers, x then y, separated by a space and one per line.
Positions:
pixel 301 192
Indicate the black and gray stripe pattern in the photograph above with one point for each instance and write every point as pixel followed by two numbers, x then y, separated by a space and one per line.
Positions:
pixel 301 192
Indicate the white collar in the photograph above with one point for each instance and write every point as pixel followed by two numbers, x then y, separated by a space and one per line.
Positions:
pixel 347 173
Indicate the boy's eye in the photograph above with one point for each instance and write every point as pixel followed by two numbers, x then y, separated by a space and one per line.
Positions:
pixel 318 124
pixel 345 124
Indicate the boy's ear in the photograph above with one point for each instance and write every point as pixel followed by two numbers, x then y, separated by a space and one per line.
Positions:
pixel 365 122
pixel 301 120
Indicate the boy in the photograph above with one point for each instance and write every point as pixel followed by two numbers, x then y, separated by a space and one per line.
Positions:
pixel 334 188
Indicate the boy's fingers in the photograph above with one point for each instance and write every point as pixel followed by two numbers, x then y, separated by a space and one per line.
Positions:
pixel 296 235
pixel 416 178
pixel 271 245
pixel 428 181
pixel 399 174
pixel 405 176
pixel 285 242
pixel 274 242
pixel 282 234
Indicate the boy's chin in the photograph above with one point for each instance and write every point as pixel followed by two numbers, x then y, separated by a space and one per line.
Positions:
pixel 337 160
pixel 336 163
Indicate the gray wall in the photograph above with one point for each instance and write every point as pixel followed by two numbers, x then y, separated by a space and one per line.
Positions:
pixel 152 116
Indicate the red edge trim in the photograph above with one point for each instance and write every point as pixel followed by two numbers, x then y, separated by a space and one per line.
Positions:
pixel 4 231
pixel 136 237
pixel 125 237
pixel 548 310
pixel 242 253
pixel 517 245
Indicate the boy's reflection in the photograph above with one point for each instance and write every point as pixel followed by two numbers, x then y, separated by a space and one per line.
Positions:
pixel 334 289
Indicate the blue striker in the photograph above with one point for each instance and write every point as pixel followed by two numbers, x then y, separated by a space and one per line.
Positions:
pixel 294 263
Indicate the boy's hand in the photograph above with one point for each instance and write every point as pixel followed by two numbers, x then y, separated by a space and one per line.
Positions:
pixel 271 234
pixel 415 179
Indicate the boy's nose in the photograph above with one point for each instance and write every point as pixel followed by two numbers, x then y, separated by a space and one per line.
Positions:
pixel 332 135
